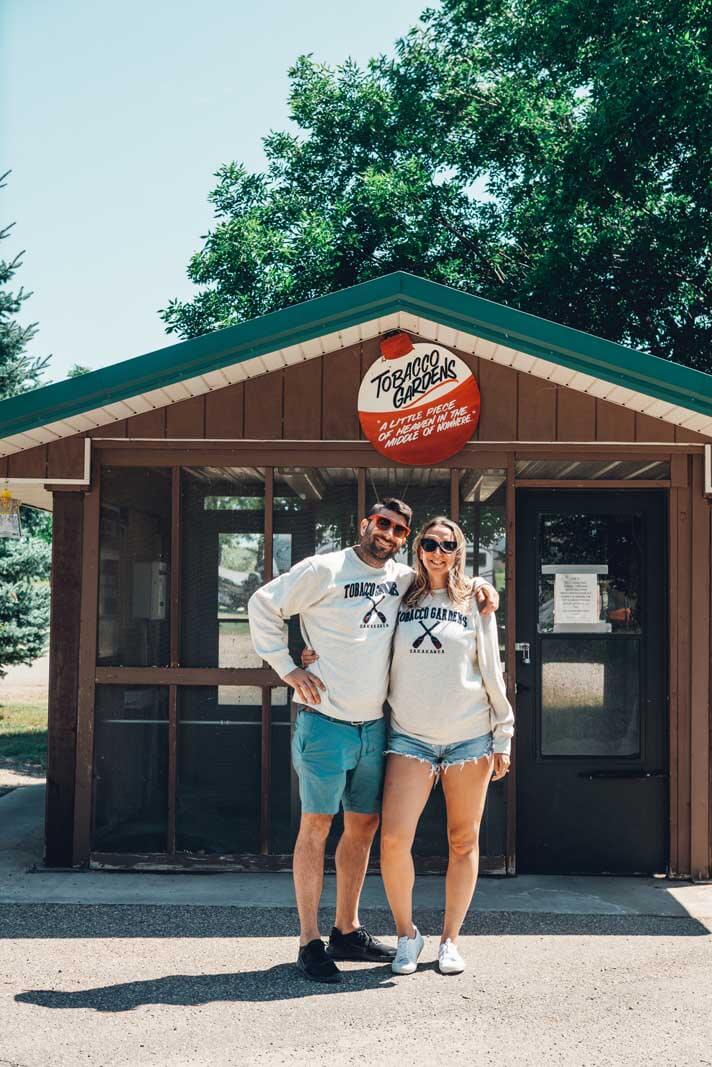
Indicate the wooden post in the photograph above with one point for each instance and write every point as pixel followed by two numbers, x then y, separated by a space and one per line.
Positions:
pixel 63 677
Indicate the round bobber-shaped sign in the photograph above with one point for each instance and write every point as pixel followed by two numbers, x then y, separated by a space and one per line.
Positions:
pixel 419 407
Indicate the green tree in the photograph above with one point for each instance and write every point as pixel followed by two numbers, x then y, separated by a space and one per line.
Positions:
pixel 554 155
pixel 25 563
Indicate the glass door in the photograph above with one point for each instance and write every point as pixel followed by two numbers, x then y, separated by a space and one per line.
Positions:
pixel 591 683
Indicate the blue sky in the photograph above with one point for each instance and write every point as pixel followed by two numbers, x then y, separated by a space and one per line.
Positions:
pixel 114 118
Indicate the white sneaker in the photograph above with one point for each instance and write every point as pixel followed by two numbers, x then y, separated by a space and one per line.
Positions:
pixel 407 952
pixel 449 959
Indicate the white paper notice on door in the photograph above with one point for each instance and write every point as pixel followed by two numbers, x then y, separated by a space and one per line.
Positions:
pixel 576 600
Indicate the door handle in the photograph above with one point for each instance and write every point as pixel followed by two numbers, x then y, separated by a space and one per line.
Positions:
pixel 525 648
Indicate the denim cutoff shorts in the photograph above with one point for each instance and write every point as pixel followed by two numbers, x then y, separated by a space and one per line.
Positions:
pixel 440 757
pixel 338 763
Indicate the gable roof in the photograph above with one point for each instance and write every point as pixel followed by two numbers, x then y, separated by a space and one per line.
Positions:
pixel 328 323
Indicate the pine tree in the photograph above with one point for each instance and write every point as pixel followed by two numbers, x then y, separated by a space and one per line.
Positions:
pixel 24 564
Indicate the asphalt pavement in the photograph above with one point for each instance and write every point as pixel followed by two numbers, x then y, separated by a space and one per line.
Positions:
pixel 112 969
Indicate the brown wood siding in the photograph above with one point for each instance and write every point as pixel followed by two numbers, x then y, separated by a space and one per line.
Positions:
pixel 700 676
pixel 147 424
pixel 63 678
pixel 498 389
pixel 264 400
pixel 65 458
pixel 29 464
pixel 648 429
pixel 317 400
pixel 186 418
pixel 613 422
pixel 342 378
pixel 225 412
pixel 112 429
pixel 302 401
pixel 536 409
pixel 575 416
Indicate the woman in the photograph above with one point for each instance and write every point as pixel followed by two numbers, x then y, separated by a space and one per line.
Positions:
pixel 451 721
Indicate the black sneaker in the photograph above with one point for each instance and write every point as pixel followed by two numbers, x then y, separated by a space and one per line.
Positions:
pixel 359 945
pixel 315 964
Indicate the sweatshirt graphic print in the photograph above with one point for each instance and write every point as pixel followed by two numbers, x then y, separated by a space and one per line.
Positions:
pixel 347 612
pixel 446 682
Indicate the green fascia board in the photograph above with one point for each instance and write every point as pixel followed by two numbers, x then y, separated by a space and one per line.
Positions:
pixel 377 298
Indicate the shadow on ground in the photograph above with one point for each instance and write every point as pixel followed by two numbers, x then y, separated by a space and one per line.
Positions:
pixel 282 982
pixel 50 921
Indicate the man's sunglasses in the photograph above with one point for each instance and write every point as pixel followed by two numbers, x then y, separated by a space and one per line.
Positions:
pixel 399 529
pixel 429 544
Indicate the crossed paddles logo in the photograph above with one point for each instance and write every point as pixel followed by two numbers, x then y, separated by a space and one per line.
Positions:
pixel 373 610
pixel 428 633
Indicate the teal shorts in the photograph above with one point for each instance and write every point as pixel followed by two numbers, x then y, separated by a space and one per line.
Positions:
pixel 338 763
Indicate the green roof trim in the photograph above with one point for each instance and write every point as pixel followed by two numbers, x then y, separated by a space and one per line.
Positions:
pixel 578 351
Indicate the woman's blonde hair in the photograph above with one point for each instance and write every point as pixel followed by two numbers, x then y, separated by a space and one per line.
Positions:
pixel 459 586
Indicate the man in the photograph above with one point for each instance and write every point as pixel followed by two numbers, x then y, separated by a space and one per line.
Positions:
pixel 348 605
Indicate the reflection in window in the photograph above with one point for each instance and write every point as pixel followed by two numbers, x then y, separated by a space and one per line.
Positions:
pixel 130 808
pixel 222 554
pixel 605 547
pixel 317 515
pixel 589 697
pixel 134 567
pixel 483 520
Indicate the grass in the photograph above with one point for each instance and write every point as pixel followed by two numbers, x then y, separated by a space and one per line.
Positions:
pixel 23 737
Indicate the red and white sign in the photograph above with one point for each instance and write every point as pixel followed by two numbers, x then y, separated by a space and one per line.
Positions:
pixel 419 408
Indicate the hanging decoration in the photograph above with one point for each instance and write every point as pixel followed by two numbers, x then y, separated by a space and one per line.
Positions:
pixel 9 515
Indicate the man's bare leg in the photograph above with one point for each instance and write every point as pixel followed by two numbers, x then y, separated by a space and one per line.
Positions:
pixel 308 872
pixel 352 854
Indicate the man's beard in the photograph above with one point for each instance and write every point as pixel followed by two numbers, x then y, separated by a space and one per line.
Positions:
pixel 369 545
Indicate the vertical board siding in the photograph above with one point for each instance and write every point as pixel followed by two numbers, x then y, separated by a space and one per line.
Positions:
pixel 342 378
pixel 225 412
pixel 700 676
pixel 186 418
pixel 498 387
pixel 613 422
pixel 575 416
pixel 536 409
pixel 63 677
pixel 147 424
pixel 690 437
pixel 29 464
pixel 302 401
pixel 65 458
pixel 649 429
pixel 111 429
pixel 263 406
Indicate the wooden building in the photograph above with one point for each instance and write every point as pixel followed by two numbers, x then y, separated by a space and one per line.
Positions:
pixel 182 479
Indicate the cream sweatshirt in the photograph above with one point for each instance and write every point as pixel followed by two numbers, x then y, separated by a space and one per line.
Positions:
pixel 446 682
pixel 347 612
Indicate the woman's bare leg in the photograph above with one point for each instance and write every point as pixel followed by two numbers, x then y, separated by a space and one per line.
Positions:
pixel 465 789
pixel 405 793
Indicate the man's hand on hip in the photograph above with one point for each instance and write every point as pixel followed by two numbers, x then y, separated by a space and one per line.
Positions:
pixel 306 686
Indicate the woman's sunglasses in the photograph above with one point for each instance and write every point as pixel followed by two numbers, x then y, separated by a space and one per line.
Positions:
pixel 429 544
pixel 399 529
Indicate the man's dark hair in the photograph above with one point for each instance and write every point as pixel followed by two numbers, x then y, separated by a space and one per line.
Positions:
pixel 392 503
